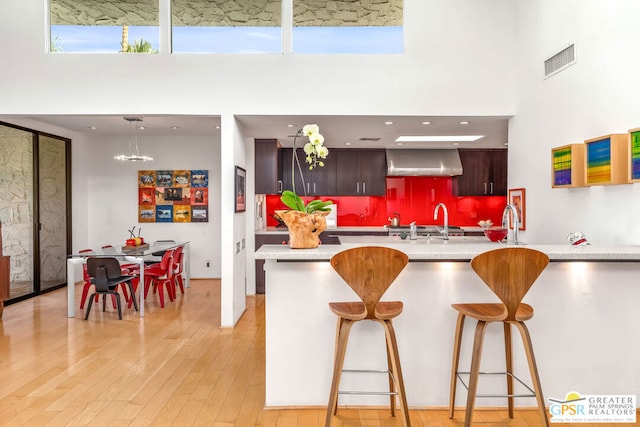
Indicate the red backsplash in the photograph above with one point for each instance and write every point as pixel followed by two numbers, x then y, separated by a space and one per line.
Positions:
pixel 414 198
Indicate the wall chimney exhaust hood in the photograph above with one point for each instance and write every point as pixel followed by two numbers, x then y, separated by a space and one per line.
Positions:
pixel 423 162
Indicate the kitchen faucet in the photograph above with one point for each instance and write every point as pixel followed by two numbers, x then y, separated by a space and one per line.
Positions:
pixel 445 232
pixel 516 221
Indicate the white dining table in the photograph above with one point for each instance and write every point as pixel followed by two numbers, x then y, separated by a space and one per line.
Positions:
pixel 139 257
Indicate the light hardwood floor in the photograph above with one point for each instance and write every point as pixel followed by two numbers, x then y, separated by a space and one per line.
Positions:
pixel 175 367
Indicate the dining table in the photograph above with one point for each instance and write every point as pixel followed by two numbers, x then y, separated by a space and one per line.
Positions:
pixel 140 255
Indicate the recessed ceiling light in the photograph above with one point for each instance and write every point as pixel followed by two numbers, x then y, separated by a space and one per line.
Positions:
pixel 455 144
pixel 388 123
pixel 426 123
pixel 289 126
pixel 93 127
pixel 464 123
pixel 175 127
pixel 440 138
pixel 218 127
pixel 141 127
pixel 347 143
pixel 399 143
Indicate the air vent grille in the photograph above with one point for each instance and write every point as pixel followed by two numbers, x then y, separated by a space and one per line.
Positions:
pixel 365 139
pixel 561 60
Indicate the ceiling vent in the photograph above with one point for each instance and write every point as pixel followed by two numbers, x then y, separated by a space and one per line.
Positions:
pixel 369 139
pixel 561 60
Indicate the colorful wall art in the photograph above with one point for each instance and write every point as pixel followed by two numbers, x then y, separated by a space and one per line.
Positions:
pixel 173 196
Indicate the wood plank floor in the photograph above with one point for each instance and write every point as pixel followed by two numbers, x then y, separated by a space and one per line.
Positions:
pixel 175 367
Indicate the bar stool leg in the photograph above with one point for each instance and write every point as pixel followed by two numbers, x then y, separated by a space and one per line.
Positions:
pixel 344 326
pixel 397 370
pixel 478 340
pixel 509 365
pixel 533 369
pixel 392 385
pixel 456 360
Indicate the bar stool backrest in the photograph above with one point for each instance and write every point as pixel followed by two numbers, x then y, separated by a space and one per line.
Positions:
pixel 509 273
pixel 369 271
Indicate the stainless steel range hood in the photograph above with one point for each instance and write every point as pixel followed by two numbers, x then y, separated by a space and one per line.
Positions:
pixel 423 162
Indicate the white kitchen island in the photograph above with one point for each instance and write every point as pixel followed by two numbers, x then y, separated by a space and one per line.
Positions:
pixel 585 330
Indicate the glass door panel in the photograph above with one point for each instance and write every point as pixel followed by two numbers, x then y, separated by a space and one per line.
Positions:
pixel 16 207
pixel 52 209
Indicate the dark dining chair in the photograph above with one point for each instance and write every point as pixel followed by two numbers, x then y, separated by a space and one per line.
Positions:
pixel 106 276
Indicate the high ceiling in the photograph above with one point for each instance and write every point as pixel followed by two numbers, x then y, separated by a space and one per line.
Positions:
pixel 359 131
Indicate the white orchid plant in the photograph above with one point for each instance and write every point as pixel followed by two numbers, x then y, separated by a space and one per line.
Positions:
pixel 315 153
pixel 314 149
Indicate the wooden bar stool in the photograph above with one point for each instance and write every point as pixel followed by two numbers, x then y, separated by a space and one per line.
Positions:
pixel 369 271
pixel 509 273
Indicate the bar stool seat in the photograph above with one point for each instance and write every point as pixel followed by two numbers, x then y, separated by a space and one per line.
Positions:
pixel 493 312
pixel 509 273
pixel 369 271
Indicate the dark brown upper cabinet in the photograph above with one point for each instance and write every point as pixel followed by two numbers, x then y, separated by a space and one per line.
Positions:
pixel 360 172
pixel 484 173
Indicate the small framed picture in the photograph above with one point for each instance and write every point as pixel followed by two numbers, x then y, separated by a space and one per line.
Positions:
pixel 240 203
pixel 517 199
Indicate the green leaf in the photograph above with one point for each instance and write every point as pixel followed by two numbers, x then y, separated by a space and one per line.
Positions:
pixel 292 200
pixel 318 205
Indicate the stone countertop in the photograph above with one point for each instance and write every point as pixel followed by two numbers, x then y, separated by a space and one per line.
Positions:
pixel 462 248
pixel 284 230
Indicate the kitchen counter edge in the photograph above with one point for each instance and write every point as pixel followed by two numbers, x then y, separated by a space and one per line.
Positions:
pixel 450 251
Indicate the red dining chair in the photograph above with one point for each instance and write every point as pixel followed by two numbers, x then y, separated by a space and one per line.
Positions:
pixel 87 279
pixel 160 276
pixel 178 268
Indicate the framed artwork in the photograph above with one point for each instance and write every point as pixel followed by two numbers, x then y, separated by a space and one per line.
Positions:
pixel 172 195
pixel 517 199
pixel 240 190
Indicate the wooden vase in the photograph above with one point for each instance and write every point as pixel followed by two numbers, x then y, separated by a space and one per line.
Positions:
pixel 304 228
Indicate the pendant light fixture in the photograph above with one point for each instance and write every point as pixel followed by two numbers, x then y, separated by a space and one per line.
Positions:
pixel 133 154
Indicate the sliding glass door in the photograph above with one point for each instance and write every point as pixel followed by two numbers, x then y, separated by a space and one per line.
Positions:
pixel 34 209
pixel 52 211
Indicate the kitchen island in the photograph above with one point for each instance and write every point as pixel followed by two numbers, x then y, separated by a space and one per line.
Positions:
pixel 585 329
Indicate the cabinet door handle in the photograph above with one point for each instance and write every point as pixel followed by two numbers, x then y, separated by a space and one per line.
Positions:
pixel 357 188
pixel 491 187
pixel 308 188
pixel 314 188
pixel 485 188
pixel 364 187
pixel 279 186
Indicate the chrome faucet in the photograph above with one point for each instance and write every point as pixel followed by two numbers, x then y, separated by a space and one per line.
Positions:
pixel 516 221
pixel 413 231
pixel 445 232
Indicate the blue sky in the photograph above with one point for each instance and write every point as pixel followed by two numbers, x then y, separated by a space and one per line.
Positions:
pixel 72 38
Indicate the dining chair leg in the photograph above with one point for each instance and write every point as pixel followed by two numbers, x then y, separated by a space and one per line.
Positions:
pixel 117 295
pixel 533 370
pixel 86 314
pixel 341 348
pixel 478 340
pixel 455 363
pixel 509 366
pixel 133 295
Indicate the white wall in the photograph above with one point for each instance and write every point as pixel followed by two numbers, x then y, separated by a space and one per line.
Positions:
pixel 596 96
pixel 458 61
pixel 112 190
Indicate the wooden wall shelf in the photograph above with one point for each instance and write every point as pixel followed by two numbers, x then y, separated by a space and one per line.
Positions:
pixel 634 155
pixel 607 160
pixel 568 166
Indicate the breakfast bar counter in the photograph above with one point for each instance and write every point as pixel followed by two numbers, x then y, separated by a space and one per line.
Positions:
pixel 585 328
